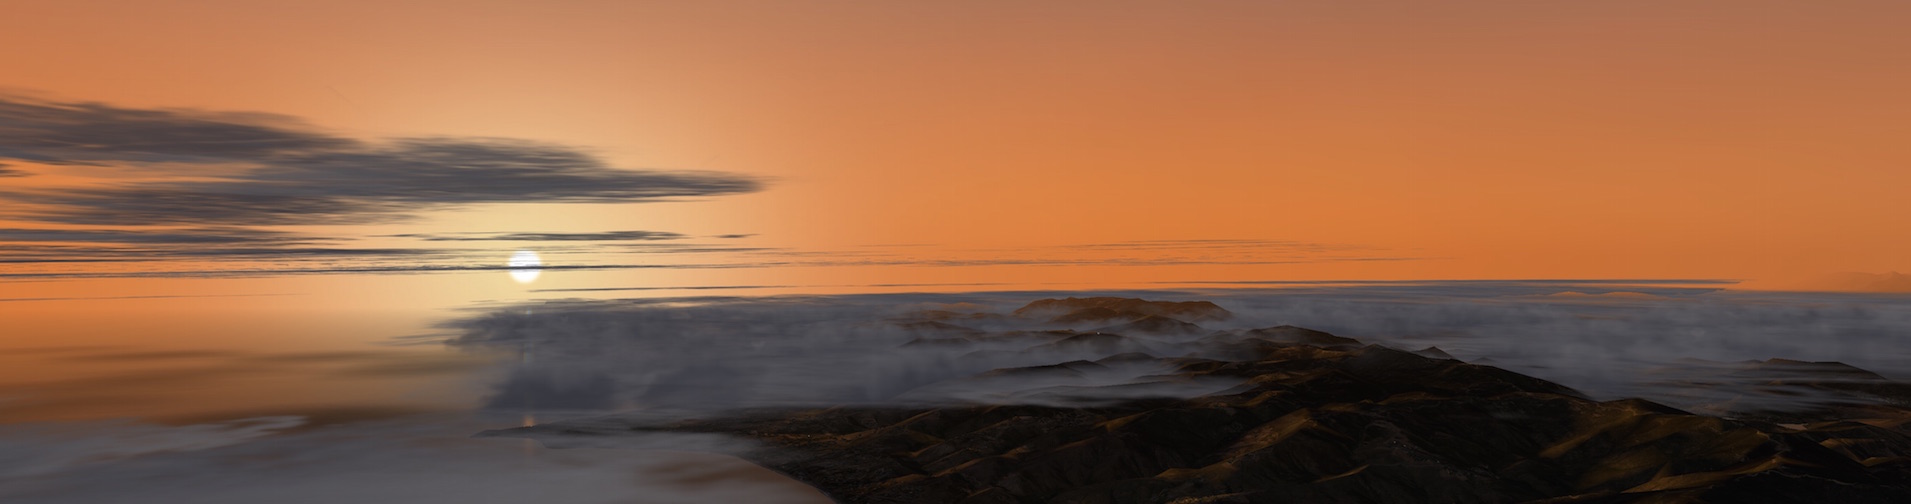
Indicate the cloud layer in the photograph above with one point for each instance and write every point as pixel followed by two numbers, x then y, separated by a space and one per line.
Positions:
pixel 753 352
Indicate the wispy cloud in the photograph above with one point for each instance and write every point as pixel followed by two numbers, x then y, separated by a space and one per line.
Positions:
pixel 689 287
pixel 30 245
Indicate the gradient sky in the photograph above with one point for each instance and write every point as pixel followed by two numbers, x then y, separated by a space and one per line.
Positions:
pixel 227 210
pixel 1013 142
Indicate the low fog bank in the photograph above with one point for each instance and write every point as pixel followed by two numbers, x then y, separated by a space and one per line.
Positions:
pixel 721 353
pixel 663 360
pixel 427 458
pixel 1680 344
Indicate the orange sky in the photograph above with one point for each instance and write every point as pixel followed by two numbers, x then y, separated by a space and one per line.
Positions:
pixel 953 146
pixel 1759 140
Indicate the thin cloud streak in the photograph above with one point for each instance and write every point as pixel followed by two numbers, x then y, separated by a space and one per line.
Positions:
pixel 724 287
pixel 695 287
pixel 599 236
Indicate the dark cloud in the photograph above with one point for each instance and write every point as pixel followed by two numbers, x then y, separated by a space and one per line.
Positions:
pixel 10 172
pixel 194 236
pixel 288 174
pixel 451 170
pixel 93 133
pixel 603 236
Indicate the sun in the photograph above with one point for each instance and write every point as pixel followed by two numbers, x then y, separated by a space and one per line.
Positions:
pixel 525 266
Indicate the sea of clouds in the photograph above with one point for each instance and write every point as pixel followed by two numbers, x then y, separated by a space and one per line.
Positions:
pixel 675 358
pixel 1609 341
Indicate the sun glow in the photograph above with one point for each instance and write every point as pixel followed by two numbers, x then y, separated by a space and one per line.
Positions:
pixel 525 266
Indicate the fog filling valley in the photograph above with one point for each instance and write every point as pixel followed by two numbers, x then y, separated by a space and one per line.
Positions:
pixel 1680 344
pixel 1687 345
